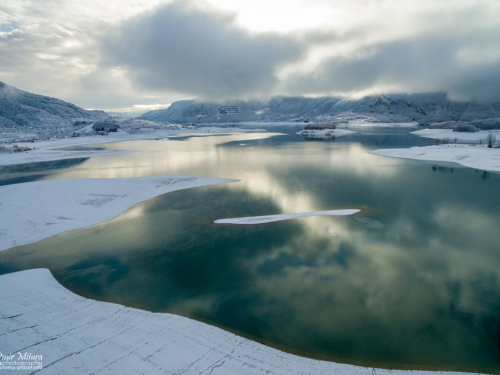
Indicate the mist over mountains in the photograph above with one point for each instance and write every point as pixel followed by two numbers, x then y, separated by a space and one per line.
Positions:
pixel 422 108
pixel 22 111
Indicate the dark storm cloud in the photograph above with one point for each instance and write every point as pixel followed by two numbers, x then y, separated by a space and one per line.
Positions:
pixel 465 63
pixel 185 48
pixel 196 50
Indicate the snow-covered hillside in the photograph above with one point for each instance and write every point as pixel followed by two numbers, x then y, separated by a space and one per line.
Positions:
pixel 423 108
pixel 24 115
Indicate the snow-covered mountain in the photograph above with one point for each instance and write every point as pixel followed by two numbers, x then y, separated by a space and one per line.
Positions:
pixel 19 108
pixel 423 108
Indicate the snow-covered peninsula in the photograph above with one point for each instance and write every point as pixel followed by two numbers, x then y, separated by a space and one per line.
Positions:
pixel 448 135
pixel 35 210
pixel 477 157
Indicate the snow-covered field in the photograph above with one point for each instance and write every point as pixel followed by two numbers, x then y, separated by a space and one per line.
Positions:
pixel 272 218
pixel 52 150
pixel 449 134
pixel 478 157
pixel 75 335
pixel 35 210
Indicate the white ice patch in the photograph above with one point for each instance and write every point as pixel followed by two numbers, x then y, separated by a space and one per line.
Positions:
pixel 272 218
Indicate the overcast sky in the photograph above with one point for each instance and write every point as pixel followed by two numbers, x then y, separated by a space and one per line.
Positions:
pixel 123 55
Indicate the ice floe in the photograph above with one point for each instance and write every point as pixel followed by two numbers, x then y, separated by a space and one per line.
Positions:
pixel 272 218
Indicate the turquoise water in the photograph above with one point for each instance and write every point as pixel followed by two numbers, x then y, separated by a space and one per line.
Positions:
pixel 412 281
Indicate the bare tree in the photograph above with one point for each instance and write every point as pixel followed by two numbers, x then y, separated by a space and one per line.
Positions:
pixel 491 139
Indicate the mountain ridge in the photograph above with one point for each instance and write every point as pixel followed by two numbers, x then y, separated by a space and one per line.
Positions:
pixel 20 108
pixel 422 108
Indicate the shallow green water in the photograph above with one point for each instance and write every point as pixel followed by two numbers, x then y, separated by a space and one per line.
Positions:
pixel 412 281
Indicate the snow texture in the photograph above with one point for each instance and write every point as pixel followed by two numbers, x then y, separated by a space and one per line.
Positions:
pixel 35 210
pixel 478 157
pixel 272 218
pixel 76 335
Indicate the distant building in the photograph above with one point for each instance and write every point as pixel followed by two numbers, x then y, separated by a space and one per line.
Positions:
pixel 225 109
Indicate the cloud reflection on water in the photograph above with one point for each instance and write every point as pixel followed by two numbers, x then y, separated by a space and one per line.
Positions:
pixel 414 281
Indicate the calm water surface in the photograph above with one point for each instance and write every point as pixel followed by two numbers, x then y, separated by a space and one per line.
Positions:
pixel 412 281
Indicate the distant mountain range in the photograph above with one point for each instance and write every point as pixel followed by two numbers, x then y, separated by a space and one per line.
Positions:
pixel 19 109
pixel 422 108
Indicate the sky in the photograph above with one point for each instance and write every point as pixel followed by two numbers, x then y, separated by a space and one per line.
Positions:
pixel 134 55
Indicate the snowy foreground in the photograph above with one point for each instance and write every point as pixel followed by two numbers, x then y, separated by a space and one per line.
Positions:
pixel 35 210
pixel 75 335
pixel 272 218
pixel 54 150
pixel 477 157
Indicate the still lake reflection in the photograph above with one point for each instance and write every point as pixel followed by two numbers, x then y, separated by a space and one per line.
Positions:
pixel 412 281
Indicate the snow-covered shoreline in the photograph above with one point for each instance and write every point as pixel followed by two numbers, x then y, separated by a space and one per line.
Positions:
pixel 76 335
pixel 477 157
pixel 462 137
pixel 35 210
pixel 366 124
pixel 53 150
pixel 251 220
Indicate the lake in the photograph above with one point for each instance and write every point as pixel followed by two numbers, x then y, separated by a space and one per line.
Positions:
pixel 412 281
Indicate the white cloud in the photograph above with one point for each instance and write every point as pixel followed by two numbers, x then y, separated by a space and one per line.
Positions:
pixel 120 53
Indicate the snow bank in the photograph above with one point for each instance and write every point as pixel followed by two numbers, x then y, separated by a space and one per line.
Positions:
pixel 75 335
pixel 35 210
pixel 51 150
pixel 478 157
pixel 272 218
pixel 461 137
